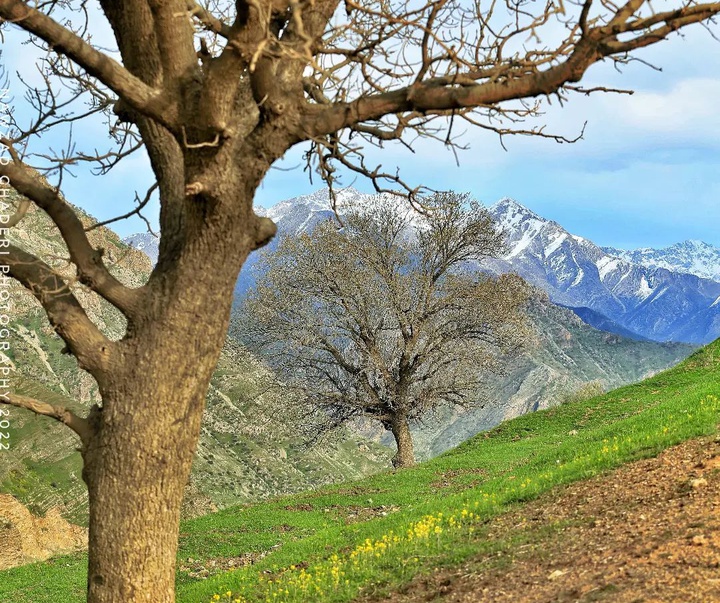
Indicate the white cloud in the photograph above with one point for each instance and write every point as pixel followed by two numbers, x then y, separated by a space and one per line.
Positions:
pixel 690 107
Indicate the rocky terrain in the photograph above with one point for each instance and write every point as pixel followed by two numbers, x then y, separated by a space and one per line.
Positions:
pixel 692 257
pixel 26 538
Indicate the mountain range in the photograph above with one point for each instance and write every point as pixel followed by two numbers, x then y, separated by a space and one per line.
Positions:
pixel 692 257
pixel 670 294
pixel 652 302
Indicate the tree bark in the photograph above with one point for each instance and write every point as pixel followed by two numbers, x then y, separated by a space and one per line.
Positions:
pixel 405 455
pixel 136 469
pixel 138 459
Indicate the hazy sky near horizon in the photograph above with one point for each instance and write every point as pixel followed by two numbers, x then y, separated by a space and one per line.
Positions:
pixel 646 173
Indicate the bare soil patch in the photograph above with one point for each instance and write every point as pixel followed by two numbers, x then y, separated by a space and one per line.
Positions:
pixel 450 479
pixel 25 538
pixel 648 532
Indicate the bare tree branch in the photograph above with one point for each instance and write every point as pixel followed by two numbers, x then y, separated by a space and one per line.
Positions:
pixel 66 315
pixel 132 90
pixel 137 211
pixel 79 425
pixel 175 39
pixel 207 19
pixel 90 267
pixel 507 80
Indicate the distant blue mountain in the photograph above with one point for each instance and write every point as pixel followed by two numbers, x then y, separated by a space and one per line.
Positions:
pixel 603 323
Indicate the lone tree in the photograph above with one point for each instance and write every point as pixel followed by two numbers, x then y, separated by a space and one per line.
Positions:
pixel 385 319
pixel 215 94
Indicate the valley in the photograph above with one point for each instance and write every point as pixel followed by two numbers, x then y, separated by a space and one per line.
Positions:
pixel 566 355
pixel 250 448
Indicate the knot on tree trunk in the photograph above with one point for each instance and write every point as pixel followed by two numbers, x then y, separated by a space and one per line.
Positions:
pixel 265 230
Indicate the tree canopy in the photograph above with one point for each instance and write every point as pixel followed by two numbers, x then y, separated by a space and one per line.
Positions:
pixel 389 317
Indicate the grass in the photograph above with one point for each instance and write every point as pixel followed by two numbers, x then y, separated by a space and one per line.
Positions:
pixel 375 534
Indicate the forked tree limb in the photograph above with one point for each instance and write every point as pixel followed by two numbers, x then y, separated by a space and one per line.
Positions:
pixel 79 425
pixel 88 260
pixel 141 97
pixel 86 342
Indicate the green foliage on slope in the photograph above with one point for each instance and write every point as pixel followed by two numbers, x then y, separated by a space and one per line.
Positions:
pixel 376 533
pixel 566 355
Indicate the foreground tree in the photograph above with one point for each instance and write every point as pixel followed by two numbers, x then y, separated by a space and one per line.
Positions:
pixel 215 94
pixel 387 319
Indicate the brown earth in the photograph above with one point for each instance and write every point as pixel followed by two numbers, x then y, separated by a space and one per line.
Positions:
pixel 648 532
pixel 25 538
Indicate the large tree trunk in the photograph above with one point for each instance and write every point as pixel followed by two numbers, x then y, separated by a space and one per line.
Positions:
pixel 139 458
pixel 136 470
pixel 405 455
pixel 136 475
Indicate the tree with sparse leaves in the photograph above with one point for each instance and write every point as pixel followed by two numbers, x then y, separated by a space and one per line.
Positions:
pixel 214 94
pixel 388 318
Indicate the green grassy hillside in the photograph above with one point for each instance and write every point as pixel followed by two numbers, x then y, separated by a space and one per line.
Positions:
pixel 333 543
pixel 250 447
pixel 567 355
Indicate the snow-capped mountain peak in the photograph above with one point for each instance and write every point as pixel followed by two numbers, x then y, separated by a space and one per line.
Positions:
pixel 303 213
pixel 319 201
pixel 656 300
pixel 508 213
pixel 689 257
pixel 647 292
pixel 520 225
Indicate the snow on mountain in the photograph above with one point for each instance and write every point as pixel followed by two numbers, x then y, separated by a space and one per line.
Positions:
pixel 303 213
pixel 652 301
pixel 148 243
pixel 661 302
pixel 292 216
pixel 691 257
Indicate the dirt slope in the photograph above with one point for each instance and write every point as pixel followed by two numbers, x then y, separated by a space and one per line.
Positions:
pixel 25 538
pixel 648 532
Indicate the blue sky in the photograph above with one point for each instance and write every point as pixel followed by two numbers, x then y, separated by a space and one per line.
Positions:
pixel 647 172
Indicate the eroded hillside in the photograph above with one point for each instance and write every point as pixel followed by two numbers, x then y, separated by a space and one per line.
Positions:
pixel 249 447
